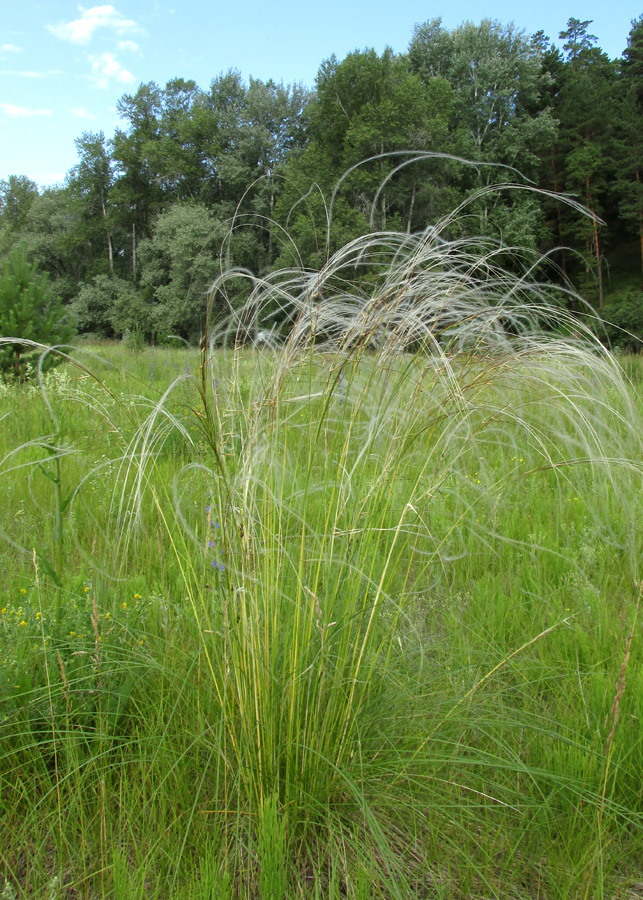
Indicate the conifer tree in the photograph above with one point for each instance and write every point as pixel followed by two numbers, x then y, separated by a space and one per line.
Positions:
pixel 28 312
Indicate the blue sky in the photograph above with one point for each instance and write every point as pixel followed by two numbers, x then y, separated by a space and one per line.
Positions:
pixel 64 66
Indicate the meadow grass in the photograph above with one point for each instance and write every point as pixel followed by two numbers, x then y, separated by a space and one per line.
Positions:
pixel 348 612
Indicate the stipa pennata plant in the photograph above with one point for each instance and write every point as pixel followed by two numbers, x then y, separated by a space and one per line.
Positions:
pixel 406 388
pixel 355 439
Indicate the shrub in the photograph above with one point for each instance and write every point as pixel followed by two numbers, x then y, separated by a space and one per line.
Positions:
pixel 621 324
pixel 106 307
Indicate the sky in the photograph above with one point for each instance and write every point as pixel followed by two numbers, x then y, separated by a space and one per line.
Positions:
pixel 64 66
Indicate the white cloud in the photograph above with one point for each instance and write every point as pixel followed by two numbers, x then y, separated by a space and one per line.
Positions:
pixel 106 67
pixel 128 45
pixel 80 31
pixel 26 74
pixel 10 48
pixel 82 113
pixel 21 111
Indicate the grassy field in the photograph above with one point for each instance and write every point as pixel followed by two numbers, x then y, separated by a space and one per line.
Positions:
pixel 332 619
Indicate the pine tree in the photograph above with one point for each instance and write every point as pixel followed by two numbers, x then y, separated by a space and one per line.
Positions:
pixel 28 312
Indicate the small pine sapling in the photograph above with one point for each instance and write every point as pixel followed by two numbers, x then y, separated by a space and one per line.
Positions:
pixel 29 314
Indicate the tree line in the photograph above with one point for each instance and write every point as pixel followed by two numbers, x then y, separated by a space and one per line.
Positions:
pixel 261 175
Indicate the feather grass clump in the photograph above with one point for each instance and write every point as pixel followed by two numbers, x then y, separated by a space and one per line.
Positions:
pixel 338 461
pixel 365 433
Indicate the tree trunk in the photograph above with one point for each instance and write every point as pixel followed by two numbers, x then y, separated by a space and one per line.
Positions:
pixel 383 202
pixel 134 249
pixel 270 223
pixel 599 263
pixel 597 246
pixel 638 181
pixel 408 226
pixel 559 220
pixel 110 251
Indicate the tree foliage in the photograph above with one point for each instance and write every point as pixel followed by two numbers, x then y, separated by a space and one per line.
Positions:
pixel 259 174
pixel 496 78
pixel 178 264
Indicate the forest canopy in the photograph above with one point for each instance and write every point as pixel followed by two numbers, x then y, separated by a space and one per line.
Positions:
pixel 243 174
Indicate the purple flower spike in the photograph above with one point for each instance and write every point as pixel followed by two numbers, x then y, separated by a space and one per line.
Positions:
pixel 221 567
pixel 214 563
pixel 216 524
pixel 210 543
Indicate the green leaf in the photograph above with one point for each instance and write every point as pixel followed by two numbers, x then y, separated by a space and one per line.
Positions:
pixel 65 503
pixel 48 569
pixel 49 475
